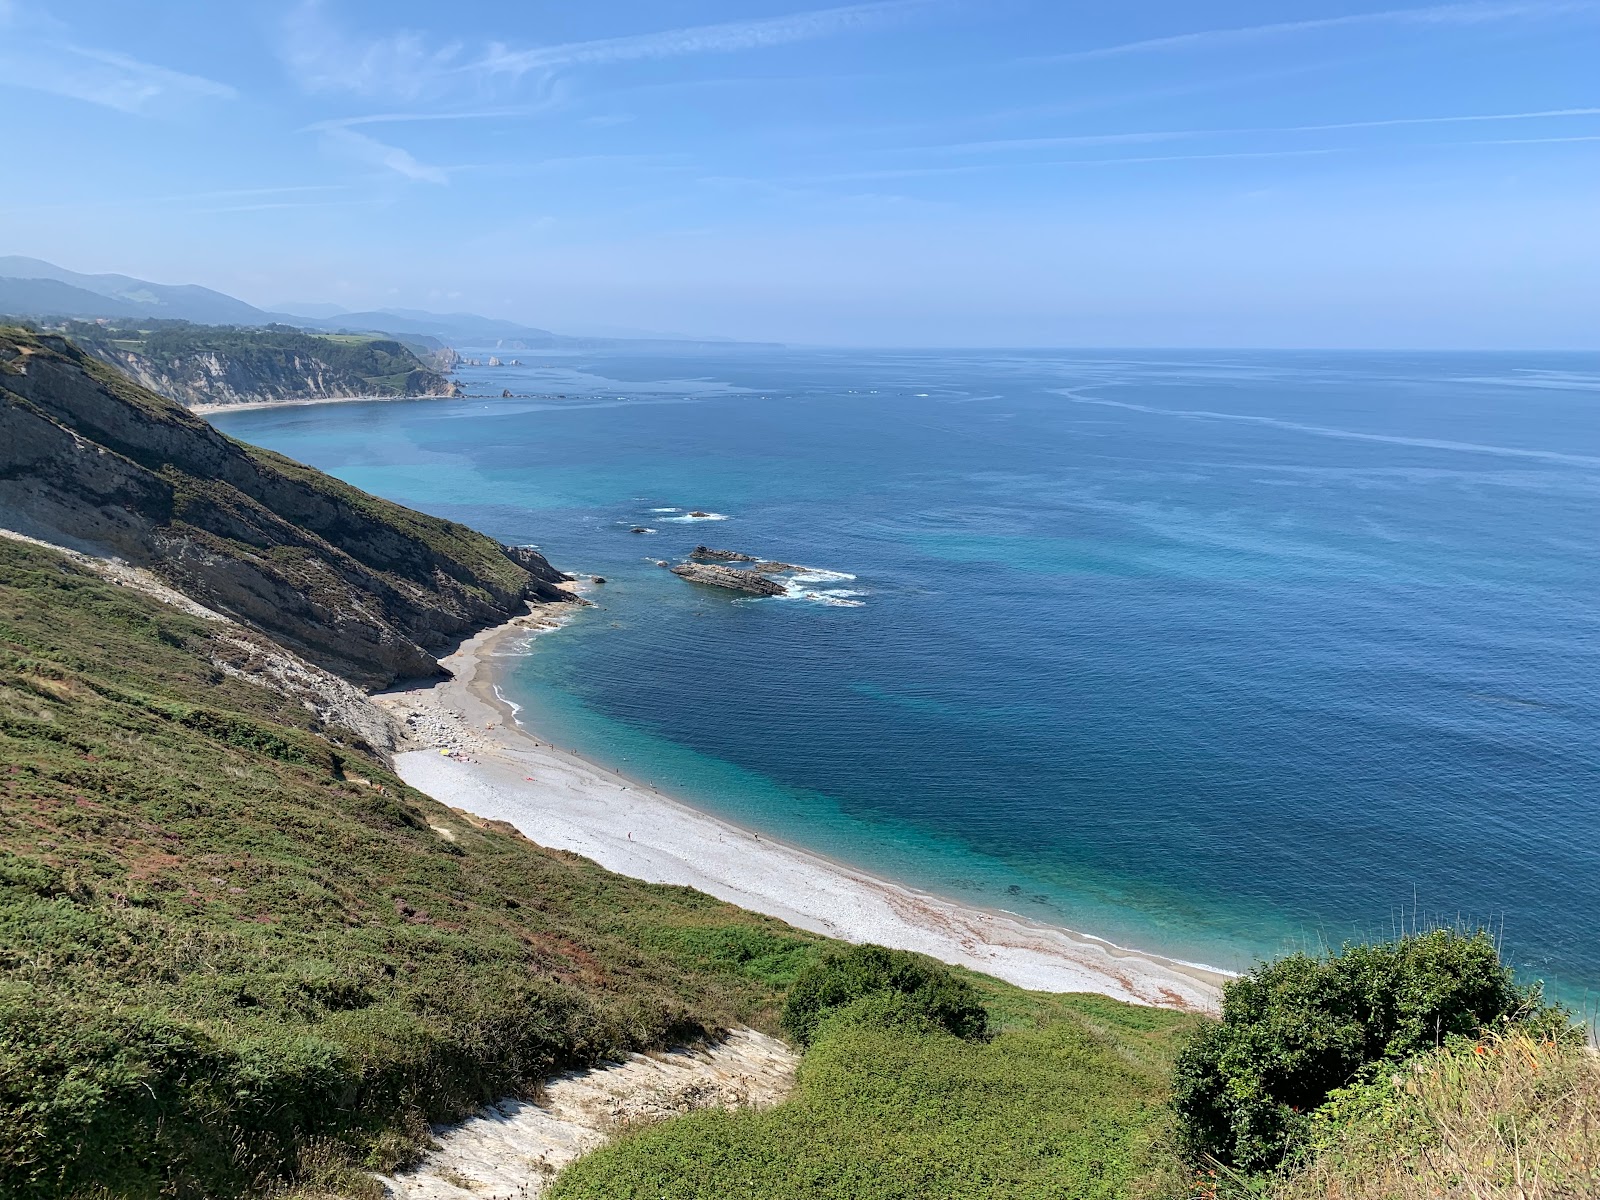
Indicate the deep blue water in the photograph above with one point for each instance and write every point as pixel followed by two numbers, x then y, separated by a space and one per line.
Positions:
pixel 1208 653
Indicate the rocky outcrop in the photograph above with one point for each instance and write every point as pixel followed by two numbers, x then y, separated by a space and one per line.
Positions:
pixel 367 589
pixel 707 554
pixel 729 577
pixel 444 360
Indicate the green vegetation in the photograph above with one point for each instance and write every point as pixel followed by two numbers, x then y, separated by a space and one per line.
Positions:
pixel 1251 1087
pixel 1402 1070
pixel 276 360
pixel 897 987
pixel 1068 1101
pixel 235 949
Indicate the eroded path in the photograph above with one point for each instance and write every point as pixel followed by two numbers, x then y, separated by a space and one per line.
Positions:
pixel 511 1150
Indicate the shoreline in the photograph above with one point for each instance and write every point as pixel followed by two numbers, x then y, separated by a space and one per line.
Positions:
pixel 465 747
pixel 206 410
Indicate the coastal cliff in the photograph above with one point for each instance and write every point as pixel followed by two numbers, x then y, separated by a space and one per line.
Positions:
pixel 365 588
pixel 222 365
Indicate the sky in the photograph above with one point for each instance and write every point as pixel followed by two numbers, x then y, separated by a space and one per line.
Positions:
pixel 892 173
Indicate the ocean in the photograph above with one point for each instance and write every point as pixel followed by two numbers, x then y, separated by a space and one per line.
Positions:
pixel 1213 654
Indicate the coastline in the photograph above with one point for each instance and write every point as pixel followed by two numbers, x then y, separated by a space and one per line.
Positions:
pixel 466 749
pixel 206 410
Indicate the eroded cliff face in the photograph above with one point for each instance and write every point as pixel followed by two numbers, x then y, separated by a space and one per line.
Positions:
pixel 365 588
pixel 210 377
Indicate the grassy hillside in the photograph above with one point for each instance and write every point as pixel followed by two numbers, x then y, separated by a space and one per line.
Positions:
pixel 228 937
pixel 1067 1101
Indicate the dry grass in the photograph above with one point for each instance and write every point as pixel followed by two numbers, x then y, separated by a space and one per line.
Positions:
pixel 1510 1119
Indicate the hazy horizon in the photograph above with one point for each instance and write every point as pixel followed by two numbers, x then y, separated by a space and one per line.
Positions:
pixel 898 173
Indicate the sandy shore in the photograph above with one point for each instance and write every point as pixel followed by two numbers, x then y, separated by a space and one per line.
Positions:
pixel 206 410
pixel 467 751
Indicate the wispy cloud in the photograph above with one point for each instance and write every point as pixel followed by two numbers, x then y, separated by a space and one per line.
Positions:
pixel 291 189
pixel 410 65
pixel 400 118
pixel 1435 15
pixel 1528 141
pixel 101 77
pixel 325 58
pixel 277 205
pixel 1124 160
pixel 369 151
pixel 704 39
pixel 1107 139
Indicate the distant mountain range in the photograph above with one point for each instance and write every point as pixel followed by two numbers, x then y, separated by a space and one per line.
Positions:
pixel 31 287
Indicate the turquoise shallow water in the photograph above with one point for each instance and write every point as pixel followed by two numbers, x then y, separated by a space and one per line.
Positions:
pixel 1210 654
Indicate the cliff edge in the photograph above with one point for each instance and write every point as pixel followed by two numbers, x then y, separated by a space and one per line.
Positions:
pixel 360 586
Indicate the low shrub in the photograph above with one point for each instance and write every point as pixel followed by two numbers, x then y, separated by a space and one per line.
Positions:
pixel 1295 1030
pixel 920 988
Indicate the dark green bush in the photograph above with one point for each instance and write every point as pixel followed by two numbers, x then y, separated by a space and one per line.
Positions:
pixel 1294 1030
pixel 925 989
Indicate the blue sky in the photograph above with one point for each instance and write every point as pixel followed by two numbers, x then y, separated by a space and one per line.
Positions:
pixel 909 172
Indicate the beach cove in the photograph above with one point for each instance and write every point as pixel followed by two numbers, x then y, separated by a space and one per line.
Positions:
pixel 470 752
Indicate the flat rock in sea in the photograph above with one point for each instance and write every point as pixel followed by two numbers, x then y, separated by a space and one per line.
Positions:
pixel 708 554
pixel 727 577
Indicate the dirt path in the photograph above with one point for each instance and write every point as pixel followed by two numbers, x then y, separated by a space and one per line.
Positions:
pixel 511 1150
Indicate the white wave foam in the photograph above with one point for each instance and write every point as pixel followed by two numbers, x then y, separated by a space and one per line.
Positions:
pixel 665 510
pixel 795 589
pixel 688 518
pixel 836 599
pixel 818 575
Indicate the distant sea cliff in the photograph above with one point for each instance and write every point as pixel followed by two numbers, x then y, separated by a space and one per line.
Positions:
pixel 220 365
